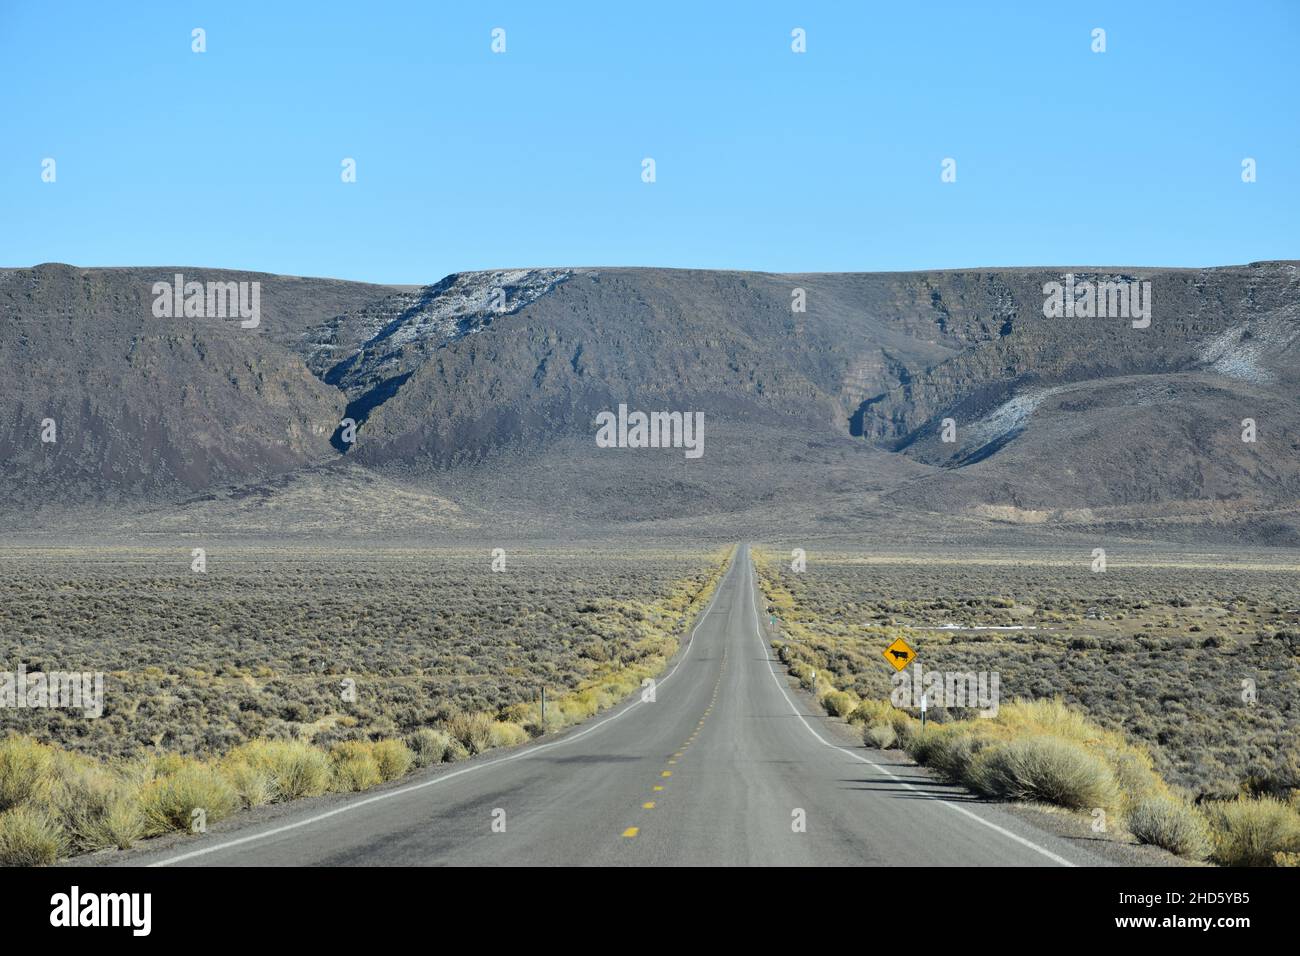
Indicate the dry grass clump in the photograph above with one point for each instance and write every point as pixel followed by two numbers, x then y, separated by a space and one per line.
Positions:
pixel 179 787
pixel 393 757
pixel 1172 824
pixel 253 785
pixel 1036 750
pixel 880 736
pixel 474 731
pixel 505 734
pixel 56 802
pixel 30 837
pixel 1253 831
pixel 362 764
pixel 1046 769
pixel 838 703
pixel 354 766
pixel 429 746
pixel 1039 750
pixel 24 770
pixel 270 771
pixel 949 749
pixel 873 711
pixel 98 809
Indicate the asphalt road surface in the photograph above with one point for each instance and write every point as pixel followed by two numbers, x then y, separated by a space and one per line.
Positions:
pixel 725 767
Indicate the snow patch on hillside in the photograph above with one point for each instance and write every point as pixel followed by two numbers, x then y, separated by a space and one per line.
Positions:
pixel 463 304
pixel 1238 352
pixel 375 340
pixel 1007 418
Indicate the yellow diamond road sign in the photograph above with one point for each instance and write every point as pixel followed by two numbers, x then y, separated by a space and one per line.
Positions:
pixel 899 654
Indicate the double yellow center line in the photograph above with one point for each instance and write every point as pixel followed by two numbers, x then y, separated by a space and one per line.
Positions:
pixel 632 832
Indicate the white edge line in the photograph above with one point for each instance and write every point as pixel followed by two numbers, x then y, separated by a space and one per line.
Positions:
pixel 442 778
pixel 767 652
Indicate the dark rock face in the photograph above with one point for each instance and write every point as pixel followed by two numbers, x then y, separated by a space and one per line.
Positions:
pixel 147 407
pixel 1045 415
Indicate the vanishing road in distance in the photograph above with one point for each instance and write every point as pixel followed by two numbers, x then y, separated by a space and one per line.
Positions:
pixel 714 772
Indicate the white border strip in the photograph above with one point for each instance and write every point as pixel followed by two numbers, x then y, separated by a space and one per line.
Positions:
pixel 767 653
pixel 442 778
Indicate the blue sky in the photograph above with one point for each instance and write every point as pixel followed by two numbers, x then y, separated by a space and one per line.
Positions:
pixel 765 159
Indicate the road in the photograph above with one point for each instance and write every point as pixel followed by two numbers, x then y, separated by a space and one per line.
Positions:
pixel 718 770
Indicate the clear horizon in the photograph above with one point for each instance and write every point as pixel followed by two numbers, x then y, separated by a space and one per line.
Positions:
pixel 766 160
pixel 1046 267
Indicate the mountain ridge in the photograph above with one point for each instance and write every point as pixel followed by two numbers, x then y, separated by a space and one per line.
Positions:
pixel 444 379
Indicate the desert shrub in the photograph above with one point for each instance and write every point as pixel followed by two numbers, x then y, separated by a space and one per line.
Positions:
pixel 97 808
pixel 568 710
pixel 162 765
pixel 428 746
pixel 505 734
pixel 522 713
pixel 880 736
pixel 393 757
pixel 923 743
pixel 255 785
pixel 954 754
pixel 872 712
pixel 944 715
pixel 119 824
pixel 1250 831
pixel 905 727
pixel 1172 824
pixel 804 674
pixel 838 703
pixel 1049 769
pixel 295 769
pixel 1049 718
pixel 949 750
pixel 25 767
pixel 30 837
pixel 354 765
pixel 455 751
pixel 475 730
pixel 1136 778
pixel 169 800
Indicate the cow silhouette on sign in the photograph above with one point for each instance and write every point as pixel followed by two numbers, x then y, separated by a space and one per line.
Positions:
pixel 899 655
